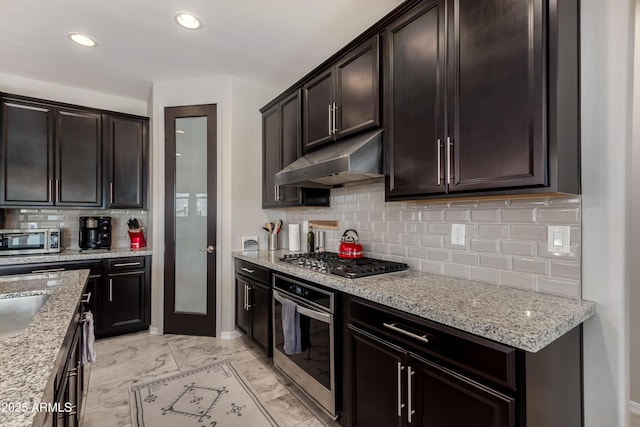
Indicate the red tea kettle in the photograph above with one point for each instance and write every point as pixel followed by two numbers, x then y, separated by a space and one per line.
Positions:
pixel 349 246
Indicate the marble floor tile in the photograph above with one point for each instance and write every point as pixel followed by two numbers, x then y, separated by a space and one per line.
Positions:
pixel 125 361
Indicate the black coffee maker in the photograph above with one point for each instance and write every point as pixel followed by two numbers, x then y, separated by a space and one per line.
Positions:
pixel 95 232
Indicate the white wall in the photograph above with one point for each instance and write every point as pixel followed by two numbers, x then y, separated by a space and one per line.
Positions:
pixel 239 177
pixel 607 63
pixel 634 224
pixel 71 95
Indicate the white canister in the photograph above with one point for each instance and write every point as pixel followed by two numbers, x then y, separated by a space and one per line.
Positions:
pixel 294 237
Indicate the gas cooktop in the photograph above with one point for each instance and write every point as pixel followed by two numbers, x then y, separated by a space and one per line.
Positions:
pixel 328 262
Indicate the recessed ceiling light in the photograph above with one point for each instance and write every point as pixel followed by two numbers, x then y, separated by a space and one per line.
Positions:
pixel 82 40
pixel 188 20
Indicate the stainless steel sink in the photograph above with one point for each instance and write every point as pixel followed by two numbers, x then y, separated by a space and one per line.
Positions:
pixel 17 313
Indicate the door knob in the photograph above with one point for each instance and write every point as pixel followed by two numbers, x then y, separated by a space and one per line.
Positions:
pixel 209 249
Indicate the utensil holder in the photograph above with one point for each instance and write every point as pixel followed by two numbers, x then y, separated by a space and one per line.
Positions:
pixel 272 241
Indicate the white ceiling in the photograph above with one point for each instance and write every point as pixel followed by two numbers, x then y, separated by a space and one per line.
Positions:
pixel 274 42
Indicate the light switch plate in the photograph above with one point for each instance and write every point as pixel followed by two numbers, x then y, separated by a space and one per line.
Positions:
pixel 559 239
pixel 457 234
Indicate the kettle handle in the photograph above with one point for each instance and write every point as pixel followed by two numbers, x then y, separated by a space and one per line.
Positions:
pixel 344 235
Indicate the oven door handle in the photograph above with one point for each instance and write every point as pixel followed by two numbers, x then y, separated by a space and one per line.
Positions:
pixel 318 315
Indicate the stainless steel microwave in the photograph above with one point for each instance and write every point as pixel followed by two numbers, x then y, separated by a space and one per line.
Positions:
pixel 30 241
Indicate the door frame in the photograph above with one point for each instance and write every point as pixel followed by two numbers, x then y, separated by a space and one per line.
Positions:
pixel 189 323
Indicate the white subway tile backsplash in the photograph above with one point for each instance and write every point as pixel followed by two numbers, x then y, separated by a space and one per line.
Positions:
pixel 513 247
pixel 529 265
pixel 506 240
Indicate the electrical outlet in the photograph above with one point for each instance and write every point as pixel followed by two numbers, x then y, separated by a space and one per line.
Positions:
pixel 559 239
pixel 457 234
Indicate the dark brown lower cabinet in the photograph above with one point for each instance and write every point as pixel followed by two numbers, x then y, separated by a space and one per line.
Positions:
pixel 126 297
pixel 404 371
pixel 253 311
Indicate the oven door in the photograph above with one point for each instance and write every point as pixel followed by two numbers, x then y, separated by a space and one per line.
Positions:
pixel 313 368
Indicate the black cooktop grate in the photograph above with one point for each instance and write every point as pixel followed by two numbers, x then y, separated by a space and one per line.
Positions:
pixel 329 262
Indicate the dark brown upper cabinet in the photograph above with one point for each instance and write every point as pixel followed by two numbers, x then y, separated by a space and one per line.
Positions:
pixel 472 95
pixel 51 156
pixel 126 158
pixel 344 98
pixel 281 132
pixel 54 154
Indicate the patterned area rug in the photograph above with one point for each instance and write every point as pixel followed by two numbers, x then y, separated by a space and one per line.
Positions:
pixel 213 396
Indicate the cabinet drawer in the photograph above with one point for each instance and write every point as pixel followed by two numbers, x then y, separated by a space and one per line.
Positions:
pixel 472 354
pixel 247 269
pixel 126 264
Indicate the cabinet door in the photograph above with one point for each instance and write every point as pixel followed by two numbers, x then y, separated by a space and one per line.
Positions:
pixel 79 159
pixel 270 156
pixel 414 93
pixel 376 369
pixel 260 316
pixel 441 397
pixel 26 159
pixel 318 99
pixel 290 135
pixel 126 141
pixel 358 90
pixel 496 94
pixel 242 311
pixel 125 304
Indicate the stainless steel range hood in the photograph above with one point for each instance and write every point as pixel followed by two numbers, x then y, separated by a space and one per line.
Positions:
pixel 356 159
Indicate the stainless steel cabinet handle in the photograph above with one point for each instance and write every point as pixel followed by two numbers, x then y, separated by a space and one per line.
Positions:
pixel 111 192
pixel 330 125
pixel 393 327
pixel 87 297
pixel 245 297
pixel 52 270
pixel 249 297
pixel 335 125
pixel 248 270
pixel 439 161
pixel 410 411
pixel 400 404
pixel 126 264
pixel 51 190
pixel 449 148
pixel 110 290
pixel 57 189
pixel 209 249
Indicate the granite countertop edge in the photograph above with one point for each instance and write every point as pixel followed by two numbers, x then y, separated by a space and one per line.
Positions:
pixel 31 358
pixel 73 255
pixel 519 318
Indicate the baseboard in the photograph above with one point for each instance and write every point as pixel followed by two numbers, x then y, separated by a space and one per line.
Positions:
pixel 153 330
pixel 229 335
pixel 634 408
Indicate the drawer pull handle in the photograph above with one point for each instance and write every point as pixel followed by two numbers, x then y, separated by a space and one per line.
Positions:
pixel 393 327
pixel 110 290
pixel 248 270
pixel 410 410
pixel 88 298
pixel 126 264
pixel 52 270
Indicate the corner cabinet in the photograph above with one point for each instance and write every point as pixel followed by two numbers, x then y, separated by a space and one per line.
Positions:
pixel 431 374
pixel 476 110
pixel 343 99
pixel 281 130
pixel 54 154
pixel 50 155
pixel 126 143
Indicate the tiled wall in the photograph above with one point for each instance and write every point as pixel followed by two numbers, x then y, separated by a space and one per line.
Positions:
pixel 68 220
pixel 505 243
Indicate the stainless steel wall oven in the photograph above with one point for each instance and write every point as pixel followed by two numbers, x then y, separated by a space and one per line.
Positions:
pixel 312 364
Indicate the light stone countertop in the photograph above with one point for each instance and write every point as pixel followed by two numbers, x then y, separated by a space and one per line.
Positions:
pixel 523 319
pixel 74 255
pixel 30 359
